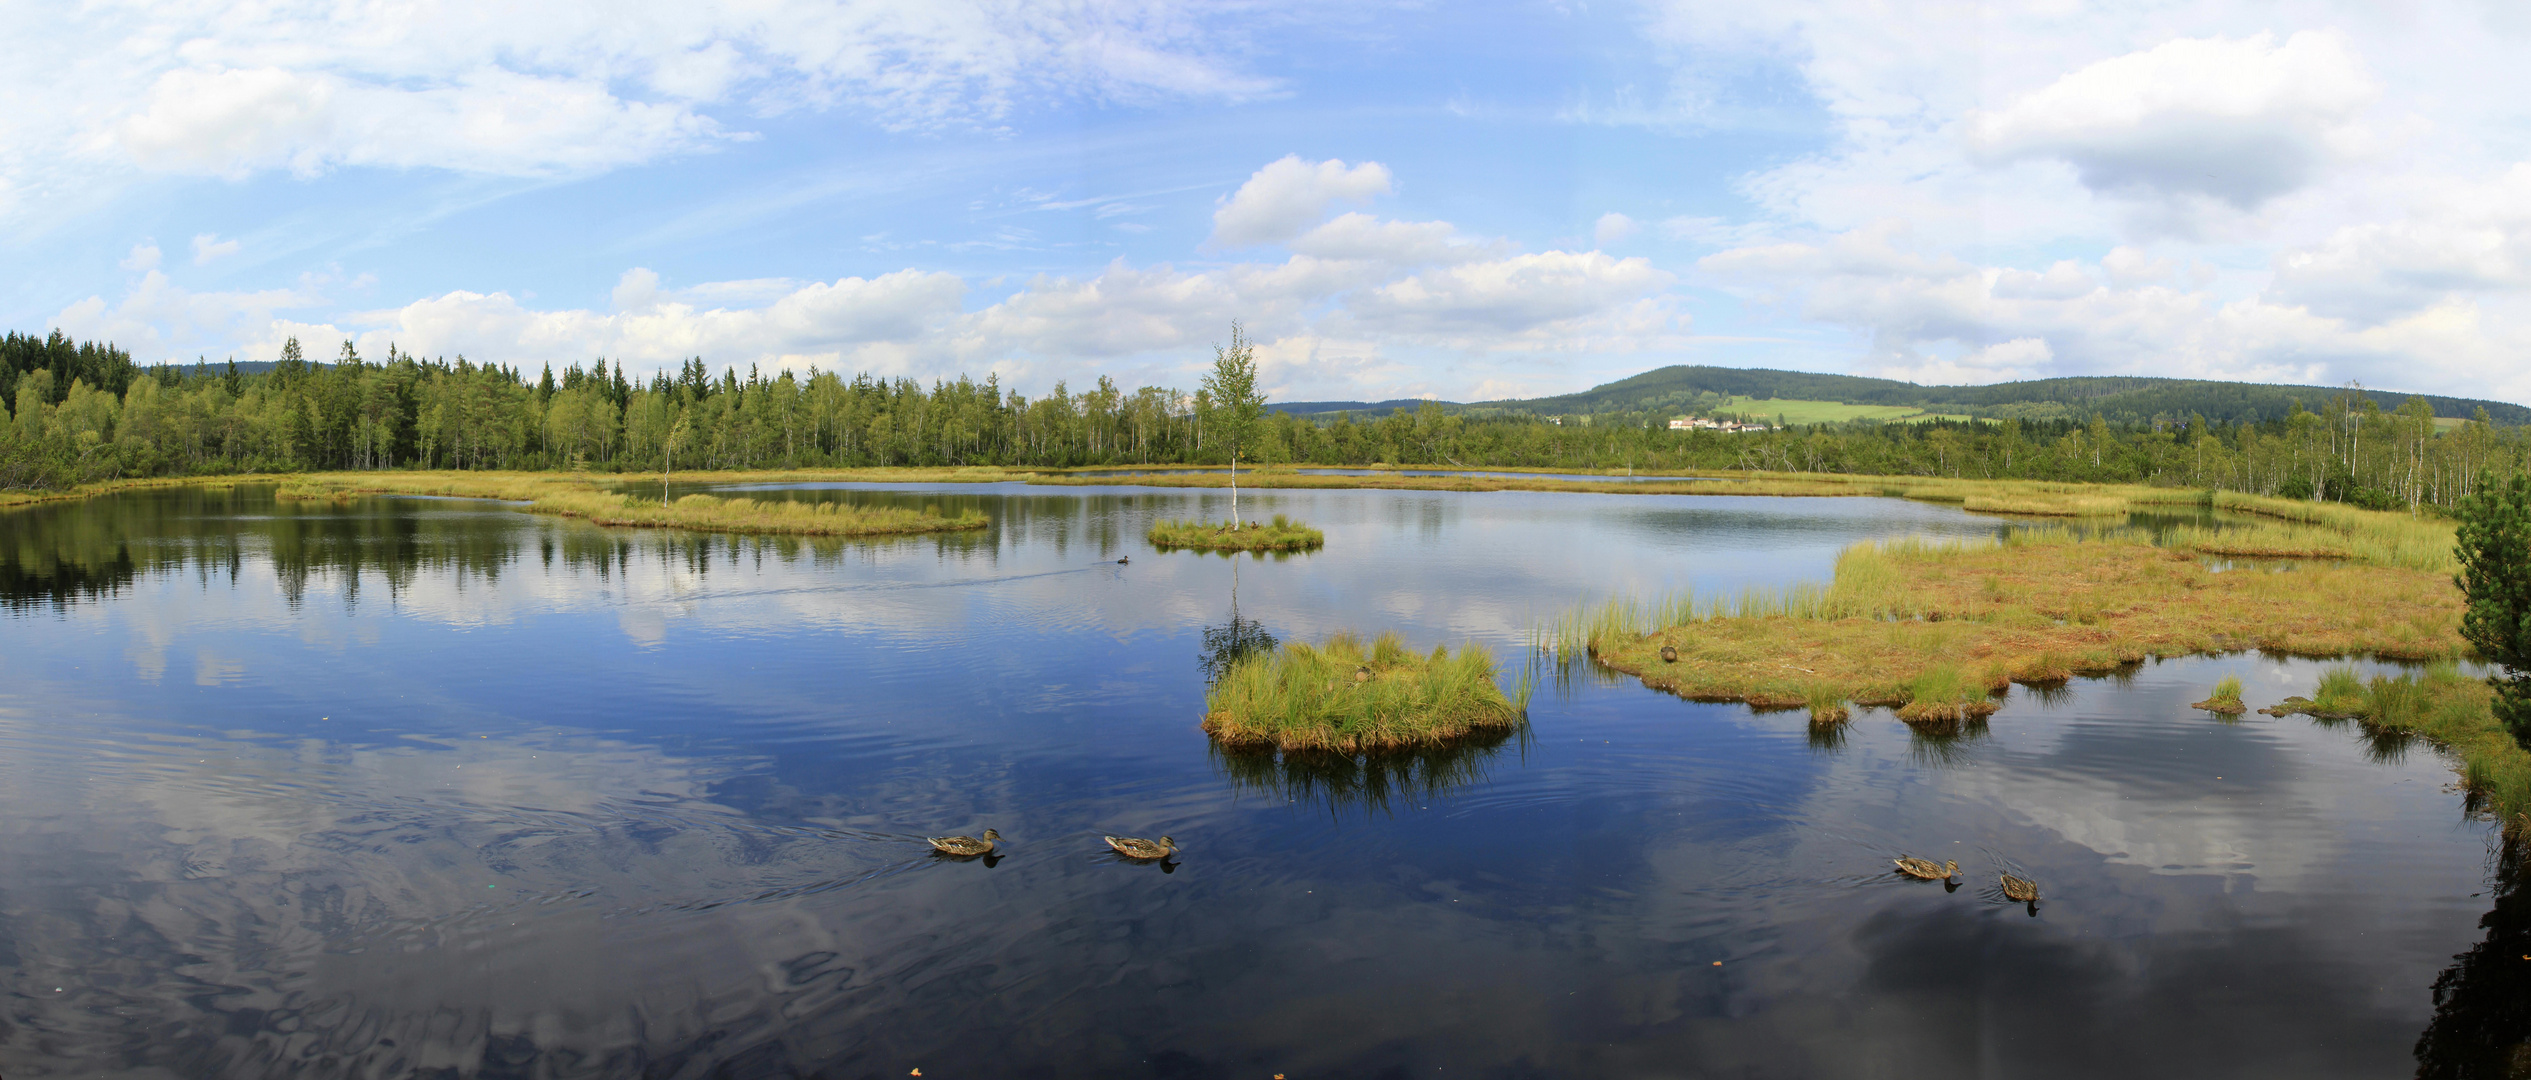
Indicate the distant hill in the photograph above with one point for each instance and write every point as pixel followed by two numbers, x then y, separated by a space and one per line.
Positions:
pixel 2119 397
pixel 1313 408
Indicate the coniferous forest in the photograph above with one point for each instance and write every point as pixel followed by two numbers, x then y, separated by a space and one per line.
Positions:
pixel 83 412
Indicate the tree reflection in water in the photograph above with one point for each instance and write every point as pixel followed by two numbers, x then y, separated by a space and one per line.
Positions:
pixel 2482 1003
pixel 1224 645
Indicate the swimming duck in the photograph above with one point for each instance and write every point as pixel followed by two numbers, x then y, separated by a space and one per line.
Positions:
pixel 1122 560
pixel 1135 848
pixel 964 845
pixel 1669 654
pixel 1924 868
pixel 2020 890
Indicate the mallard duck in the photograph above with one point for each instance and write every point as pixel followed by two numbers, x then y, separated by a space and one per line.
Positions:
pixel 1925 868
pixel 2020 890
pixel 1135 848
pixel 1122 560
pixel 1362 674
pixel 1669 654
pixel 964 845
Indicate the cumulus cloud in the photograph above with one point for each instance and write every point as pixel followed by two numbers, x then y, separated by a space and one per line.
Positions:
pixel 2239 121
pixel 1943 318
pixel 1353 295
pixel 144 256
pixel 1290 195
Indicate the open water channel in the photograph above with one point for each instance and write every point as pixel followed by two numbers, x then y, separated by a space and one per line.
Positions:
pixel 415 787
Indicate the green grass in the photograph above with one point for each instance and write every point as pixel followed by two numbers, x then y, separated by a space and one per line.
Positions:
pixel 2448 708
pixel 1343 696
pixel 565 496
pixel 1281 534
pixel 2226 699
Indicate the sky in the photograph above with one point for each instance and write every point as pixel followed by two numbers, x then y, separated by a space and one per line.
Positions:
pixel 1469 201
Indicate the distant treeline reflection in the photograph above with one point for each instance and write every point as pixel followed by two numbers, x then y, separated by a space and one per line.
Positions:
pixel 59 554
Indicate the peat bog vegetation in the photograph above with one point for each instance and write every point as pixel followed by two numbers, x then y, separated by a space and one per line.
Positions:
pixel 1937 630
pixel 1343 696
pixel 1280 534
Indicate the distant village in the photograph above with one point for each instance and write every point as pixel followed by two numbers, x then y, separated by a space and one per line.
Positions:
pixel 1704 423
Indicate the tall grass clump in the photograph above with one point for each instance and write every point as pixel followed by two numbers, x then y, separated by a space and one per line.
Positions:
pixel 1943 693
pixel 1342 695
pixel 2226 699
pixel 1281 534
pixel 2448 708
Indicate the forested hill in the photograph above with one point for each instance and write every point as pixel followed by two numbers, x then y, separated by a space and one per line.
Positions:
pixel 2121 398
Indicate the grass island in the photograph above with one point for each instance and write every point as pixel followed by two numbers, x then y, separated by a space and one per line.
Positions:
pixel 1936 630
pixel 567 495
pixel 1280 534
pixel 1341 695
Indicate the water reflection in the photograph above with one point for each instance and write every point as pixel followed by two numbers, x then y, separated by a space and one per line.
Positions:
pixel 1382 782
pixel 585 802
pixel 2482 1003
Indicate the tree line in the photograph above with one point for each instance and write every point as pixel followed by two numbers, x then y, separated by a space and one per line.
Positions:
pixel 84 412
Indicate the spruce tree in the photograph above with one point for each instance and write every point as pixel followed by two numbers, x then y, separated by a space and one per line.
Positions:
pixel 2495 555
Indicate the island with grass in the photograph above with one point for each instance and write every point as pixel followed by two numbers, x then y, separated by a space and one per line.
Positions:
pixel 1280 534
pixel 566 495
pixel 1347 697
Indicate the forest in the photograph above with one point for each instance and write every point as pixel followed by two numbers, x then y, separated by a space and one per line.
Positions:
pixel 83 412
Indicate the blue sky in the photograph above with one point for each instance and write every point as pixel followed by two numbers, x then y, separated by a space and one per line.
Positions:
pixel 1469 201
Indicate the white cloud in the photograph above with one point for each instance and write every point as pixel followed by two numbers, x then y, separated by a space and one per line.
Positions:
pixel 1939 317
pixel 1402 243
pixel 1354 297
pixel 209 246
pixel 1290 195
pixel 1612 228
pixel 144 256
pixel 2238 121
pixel 199 87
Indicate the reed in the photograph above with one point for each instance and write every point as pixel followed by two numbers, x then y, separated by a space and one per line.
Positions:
pixel 1344 696
pixel 1281 534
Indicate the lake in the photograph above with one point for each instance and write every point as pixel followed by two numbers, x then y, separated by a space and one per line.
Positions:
pixel 426 787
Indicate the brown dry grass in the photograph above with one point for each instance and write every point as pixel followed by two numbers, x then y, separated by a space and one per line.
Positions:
pixel 1911 622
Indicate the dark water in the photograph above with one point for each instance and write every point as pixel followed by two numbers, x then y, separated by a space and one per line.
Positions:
pixel 434 788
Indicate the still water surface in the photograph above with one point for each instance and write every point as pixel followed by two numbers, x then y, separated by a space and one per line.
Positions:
pixel 413 787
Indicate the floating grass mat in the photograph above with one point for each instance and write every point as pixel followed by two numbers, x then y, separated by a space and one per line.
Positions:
pixel 1934 628
pixel 1281 534
pixel 1341 696
pixel 567 497
pixel 2446 707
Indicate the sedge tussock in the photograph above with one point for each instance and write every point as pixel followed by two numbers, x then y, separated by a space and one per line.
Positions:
pixel 1343 696
pixel 1281 534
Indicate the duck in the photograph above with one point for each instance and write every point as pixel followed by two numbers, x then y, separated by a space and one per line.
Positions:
pixel 2020 890
pixel 1123 559
pixel 1669 654
pixel 1362 673
pixel 1925 868
pixel 964 845
pixel 1137 848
